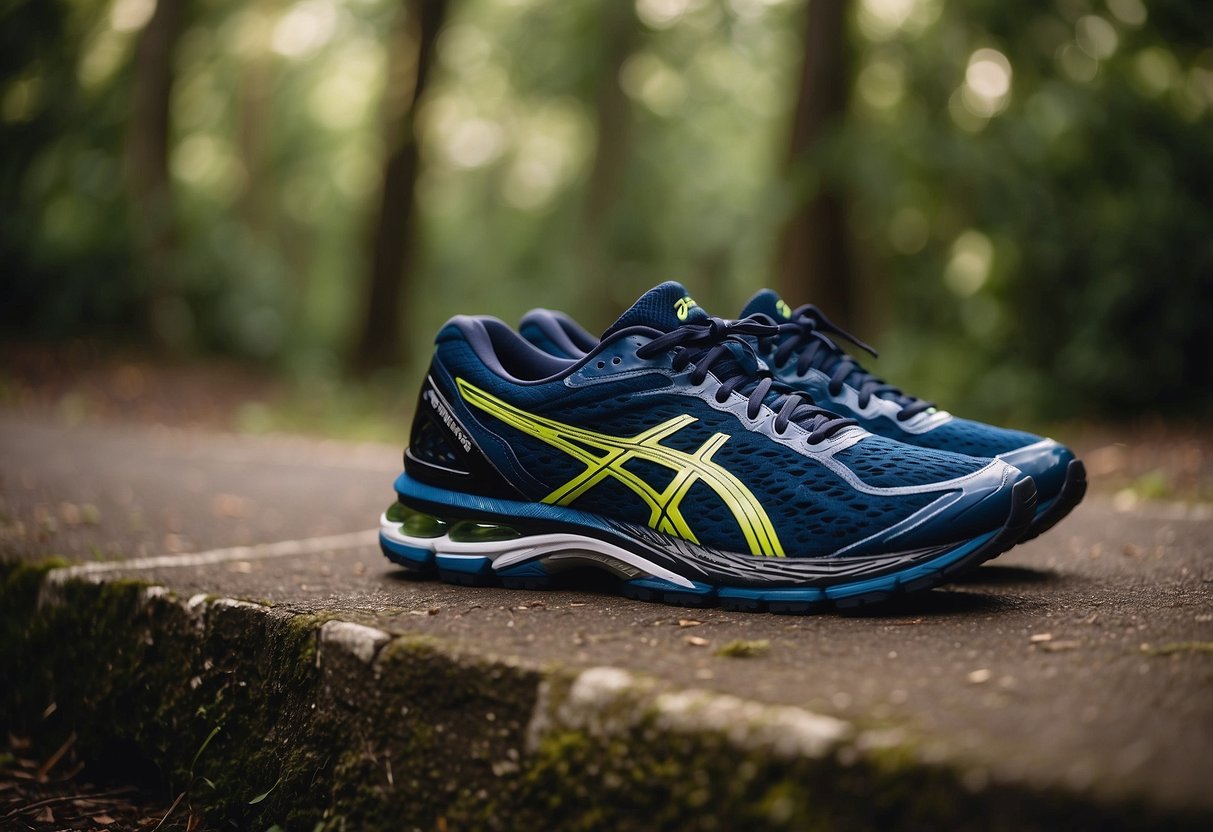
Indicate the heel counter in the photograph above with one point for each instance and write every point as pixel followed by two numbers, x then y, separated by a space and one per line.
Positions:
pixel 442 450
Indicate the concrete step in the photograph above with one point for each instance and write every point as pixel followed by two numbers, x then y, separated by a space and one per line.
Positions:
pixel 264 713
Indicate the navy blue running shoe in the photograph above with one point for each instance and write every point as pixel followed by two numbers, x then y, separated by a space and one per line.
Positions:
pixel 805 355
pixel 669 459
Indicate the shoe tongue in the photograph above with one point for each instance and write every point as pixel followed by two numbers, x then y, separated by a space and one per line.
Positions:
pixel 766 302
pixel 665 307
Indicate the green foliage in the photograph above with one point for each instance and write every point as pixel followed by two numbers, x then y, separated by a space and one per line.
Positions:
pixel 1030 182
pixel 64 240
pixel 1055 238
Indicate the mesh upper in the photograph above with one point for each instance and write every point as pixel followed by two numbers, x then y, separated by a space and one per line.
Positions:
pixel 540 339
pixel 814 510
pixel 973 438
pixel 656 308
pixel 886 463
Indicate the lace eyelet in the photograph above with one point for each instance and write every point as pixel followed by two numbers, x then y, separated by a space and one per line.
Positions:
pixel 601 364
pixel 616 360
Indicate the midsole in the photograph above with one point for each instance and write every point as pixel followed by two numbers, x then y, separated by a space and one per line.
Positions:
pixel 507 553
pixel 654 553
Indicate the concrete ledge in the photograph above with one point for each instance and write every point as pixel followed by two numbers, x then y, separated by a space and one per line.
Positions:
pixel 352 727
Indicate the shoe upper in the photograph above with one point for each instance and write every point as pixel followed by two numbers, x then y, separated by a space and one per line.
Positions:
pixel 671 421
pixel 810 358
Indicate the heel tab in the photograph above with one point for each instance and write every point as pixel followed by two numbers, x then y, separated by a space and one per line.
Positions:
pixel 556 333
pixel 468 325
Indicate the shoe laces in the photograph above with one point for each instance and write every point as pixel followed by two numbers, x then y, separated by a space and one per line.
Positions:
pixel 724 348
pixel 809 340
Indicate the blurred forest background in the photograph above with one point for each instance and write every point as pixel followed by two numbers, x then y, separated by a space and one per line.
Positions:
pixel 1014 200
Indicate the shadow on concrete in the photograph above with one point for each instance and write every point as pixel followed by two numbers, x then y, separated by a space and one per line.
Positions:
pixel 937 602
pixel 998 575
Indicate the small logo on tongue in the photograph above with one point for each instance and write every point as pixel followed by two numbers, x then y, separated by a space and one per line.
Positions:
pixel 782 308
pixel 683 307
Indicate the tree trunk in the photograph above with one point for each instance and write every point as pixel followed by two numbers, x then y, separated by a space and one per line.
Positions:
pixel 394 235
pixel 147 159
pixel 255 99
pixel 814 263
pixel 612 111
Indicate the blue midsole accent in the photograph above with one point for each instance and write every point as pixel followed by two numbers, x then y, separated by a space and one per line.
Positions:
pixel 534 569
pixel 471 564
pixel 669 586
pixel 412 554
pixel 808 594
pixel 888 583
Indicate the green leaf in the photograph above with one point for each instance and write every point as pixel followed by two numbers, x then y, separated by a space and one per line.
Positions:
pixel 202 748
pixel 265 793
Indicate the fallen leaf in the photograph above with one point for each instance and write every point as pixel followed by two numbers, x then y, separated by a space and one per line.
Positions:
pixel 1059 646
pixel 1037 638
pixel 104 820
pixel 45 816
pixel 688 622
pixel 695 641
pixel 980 677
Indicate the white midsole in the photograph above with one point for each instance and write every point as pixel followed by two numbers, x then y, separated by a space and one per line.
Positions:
pixel 507 553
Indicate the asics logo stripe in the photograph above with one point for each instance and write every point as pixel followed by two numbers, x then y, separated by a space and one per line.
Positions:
pixel 605 456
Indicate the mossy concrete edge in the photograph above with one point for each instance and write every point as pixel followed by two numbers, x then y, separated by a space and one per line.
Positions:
pixel 260 715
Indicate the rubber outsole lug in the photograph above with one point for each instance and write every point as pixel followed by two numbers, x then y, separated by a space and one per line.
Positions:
pixel 790 601
pixel 1072 491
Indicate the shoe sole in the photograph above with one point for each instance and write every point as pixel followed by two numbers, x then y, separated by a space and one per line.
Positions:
pixel 1050 513
pixel 541 560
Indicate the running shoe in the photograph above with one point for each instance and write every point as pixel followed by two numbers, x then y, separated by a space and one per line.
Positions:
pixel 806 355
pixel 671 462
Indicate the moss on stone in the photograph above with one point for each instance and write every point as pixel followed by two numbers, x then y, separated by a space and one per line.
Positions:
pixel 744 649
pixel 227 702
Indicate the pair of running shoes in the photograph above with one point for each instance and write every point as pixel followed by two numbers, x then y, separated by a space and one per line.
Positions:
pixel 750 463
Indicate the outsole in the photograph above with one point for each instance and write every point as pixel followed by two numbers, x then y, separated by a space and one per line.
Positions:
pixel 467 570
pixel 1072 491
